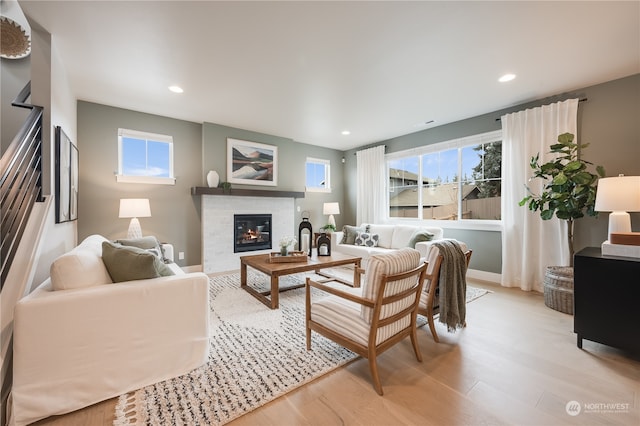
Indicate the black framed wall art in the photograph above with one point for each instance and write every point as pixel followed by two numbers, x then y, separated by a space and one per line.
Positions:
pixel 252 163
pixel 66 177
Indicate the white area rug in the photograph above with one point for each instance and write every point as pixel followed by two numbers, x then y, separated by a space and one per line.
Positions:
pixel 257 354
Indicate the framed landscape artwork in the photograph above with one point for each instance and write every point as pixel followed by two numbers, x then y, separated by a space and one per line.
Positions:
pixel 66 178
pixel 252 163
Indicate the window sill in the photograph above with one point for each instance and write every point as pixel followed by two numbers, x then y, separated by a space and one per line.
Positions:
pixel 325 190
pixel 146 179
pixel 470 224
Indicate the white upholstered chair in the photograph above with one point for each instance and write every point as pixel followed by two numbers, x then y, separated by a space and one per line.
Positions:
pixel 371 319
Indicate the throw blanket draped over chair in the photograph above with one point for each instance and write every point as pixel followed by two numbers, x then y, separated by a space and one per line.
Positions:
pixel 453 284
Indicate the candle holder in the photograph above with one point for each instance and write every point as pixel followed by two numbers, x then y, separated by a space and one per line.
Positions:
pixel 324 245
pixel 305 225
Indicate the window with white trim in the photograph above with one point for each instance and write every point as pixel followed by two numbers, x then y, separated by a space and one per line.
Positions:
pixel 145 158
pixel 317 175
pixel 454 180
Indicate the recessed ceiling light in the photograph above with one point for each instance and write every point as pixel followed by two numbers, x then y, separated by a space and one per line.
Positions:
pixel 506 77
pixel 346 132
pixel 176 89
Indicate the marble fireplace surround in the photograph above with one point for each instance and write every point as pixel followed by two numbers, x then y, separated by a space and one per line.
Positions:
pixel 217 226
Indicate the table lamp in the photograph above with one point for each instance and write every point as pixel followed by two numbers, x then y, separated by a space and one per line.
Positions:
pixel 134 208
pixel 618 195
pixel 331 209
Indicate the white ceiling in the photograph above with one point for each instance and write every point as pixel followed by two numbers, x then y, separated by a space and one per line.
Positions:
pixel 309 70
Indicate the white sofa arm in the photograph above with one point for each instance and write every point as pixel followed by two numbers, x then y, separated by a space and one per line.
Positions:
pixel 336 237
pixel 423 247
pixel 73 348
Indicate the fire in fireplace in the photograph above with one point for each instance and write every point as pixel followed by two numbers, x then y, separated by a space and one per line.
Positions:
pixel 251 232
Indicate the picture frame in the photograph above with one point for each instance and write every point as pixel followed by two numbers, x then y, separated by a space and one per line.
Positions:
pixel 66 177
pixel 251 163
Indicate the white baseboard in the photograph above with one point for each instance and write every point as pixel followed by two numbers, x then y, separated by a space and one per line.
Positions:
pixel 192 268
pixel 491 277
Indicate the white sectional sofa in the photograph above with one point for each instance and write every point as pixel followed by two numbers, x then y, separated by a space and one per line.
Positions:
pixel 79 338
pixel 389 237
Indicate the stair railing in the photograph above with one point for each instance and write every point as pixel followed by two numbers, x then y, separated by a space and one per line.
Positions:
pixel 20 181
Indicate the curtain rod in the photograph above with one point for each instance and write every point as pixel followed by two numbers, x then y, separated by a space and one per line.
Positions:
pixel 579 100
pixel 385 148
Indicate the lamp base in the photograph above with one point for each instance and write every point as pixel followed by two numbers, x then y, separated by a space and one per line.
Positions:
pixel 332 220
pixel 619 221
pixel 134 229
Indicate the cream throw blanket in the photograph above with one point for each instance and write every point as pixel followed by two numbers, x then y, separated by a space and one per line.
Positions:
pixel 453 284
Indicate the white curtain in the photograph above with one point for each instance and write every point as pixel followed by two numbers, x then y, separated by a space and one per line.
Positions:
pixel 371 197
pixel 530 244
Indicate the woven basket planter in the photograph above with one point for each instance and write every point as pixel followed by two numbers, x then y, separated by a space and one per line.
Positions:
pixel 558 288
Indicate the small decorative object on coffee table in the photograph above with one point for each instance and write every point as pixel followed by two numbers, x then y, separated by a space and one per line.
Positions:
pixel 303 237
pixel 292 256
pixel 324 245
pixel 286 244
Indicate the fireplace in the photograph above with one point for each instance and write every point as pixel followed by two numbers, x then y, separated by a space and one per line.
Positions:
pixel 251 232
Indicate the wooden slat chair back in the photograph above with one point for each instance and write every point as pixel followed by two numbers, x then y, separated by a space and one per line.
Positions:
pixel 371 319
pixel 429 301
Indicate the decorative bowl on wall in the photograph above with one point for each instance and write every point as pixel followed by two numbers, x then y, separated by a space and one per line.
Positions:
pixel 14 40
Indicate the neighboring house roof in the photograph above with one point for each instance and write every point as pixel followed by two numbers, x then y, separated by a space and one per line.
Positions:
pixel 433 196
pixel 399 174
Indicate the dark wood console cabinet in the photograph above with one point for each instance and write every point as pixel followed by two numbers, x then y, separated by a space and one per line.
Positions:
pixel 607 299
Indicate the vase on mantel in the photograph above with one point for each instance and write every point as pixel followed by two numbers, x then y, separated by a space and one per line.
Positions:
pixel 213 179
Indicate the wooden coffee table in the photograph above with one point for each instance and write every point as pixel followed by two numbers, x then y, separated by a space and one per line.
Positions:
pixel 314 263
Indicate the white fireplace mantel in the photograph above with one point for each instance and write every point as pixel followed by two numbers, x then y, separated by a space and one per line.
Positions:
pixel 217 226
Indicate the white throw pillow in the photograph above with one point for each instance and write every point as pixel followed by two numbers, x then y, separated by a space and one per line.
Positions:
pixel 93 244
pixel 385 234
pixel 81 267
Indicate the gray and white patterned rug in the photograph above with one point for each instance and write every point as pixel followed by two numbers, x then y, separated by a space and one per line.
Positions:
pixel 256 355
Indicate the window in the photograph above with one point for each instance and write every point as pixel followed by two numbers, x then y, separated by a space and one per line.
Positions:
pixel 145 158
pixel 317 175
pixel 454 180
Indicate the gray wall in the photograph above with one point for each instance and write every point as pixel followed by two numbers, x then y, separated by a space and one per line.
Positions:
pixel 175 218
pixel 608 119
pixel 291 168
pixel 197 149
pixel 14 74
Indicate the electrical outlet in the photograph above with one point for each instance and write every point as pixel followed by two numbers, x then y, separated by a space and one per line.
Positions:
pixel 181 255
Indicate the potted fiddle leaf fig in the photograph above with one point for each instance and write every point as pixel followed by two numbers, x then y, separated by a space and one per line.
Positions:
pixel 569 193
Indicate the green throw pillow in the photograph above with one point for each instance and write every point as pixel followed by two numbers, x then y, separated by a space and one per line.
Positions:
pixel 349 233
pixel 149 243
pixel 419 236
pixel 132 263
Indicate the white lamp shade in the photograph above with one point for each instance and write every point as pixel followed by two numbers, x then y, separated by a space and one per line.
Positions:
pixel 331 208
pixel 621 193
pixel 134 207
pixel 618 195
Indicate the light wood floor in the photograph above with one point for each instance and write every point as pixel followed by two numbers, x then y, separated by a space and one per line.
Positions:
pixel 515 363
